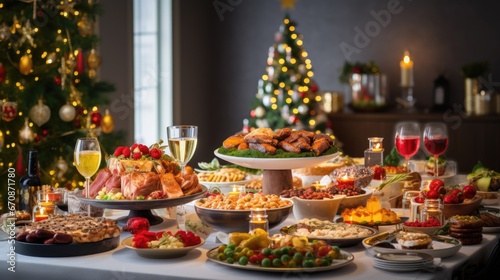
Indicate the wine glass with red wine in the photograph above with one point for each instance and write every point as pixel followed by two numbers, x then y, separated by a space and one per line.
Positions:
pixel 435 141
pixel 407 140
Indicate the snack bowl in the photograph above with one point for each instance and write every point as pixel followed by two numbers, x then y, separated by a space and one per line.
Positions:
pixel 465 208
pixel 238 220
pixel 358 175
pixel 355 200
pixel 321 209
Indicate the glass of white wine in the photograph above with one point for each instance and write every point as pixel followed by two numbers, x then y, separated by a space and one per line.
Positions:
pixel 87 160
pixel 182 140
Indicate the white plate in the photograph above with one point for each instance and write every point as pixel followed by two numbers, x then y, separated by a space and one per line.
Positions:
pixel 226 184
pixel 276 163
pixel 156 253
pixel 439 249
pixel 403 258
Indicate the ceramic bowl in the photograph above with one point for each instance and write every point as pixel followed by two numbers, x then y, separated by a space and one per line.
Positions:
pixel 322 209
pixel 465 208
pixel 237 220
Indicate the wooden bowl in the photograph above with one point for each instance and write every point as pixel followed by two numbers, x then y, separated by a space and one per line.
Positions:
pixel 465 208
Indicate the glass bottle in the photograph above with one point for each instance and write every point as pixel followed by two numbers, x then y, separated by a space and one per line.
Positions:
pixel 258 219
pixel 29 184
pixel 433 210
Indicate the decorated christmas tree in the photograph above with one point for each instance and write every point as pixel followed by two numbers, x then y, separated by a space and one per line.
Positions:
pixel 50 94
pixel 287 95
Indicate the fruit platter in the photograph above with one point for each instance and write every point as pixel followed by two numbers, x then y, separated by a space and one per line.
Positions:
pixel 281 253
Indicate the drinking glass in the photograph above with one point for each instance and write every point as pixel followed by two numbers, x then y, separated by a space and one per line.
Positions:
pixel 87 160
pixel 435 141
pixel 407 140
pixel 182 140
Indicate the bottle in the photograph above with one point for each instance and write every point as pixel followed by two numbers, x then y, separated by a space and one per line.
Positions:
pixel 441 94
pixel 433 210
pixel 29 184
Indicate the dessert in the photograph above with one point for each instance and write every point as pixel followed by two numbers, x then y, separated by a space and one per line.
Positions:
pixel 81 228
pixel 413 240
pixel 467 229
pixel 373 213
pixel 429 166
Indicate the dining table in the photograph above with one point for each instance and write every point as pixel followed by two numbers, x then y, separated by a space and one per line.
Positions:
pixel 122 263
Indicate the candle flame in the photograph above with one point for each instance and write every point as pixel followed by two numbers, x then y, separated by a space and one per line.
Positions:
pixel 406 58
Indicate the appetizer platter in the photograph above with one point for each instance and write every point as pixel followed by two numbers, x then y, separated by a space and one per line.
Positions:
pixel 340 234
pixel 346 259
pixel 440 246
pixel 159 253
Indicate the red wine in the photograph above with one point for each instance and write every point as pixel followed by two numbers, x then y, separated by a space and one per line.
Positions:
pixel 436 146
pixel 29 184
pixel 407 146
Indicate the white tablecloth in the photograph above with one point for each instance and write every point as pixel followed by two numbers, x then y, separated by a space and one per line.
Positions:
pixel 122 264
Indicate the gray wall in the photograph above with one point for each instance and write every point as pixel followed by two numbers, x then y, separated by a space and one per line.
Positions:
pixel 220 56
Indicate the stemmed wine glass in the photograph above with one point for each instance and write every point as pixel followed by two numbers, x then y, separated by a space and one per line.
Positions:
pixel 182 140
pixel 87 160
pixel 435 141
pixel 407 140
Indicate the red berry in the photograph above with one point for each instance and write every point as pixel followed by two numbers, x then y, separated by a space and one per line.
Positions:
pixel 436 184
pixel 144 149
pixel 118 151
pixel 469 191
pixel 126 152
pixel 433 194
pixel 136 156
pixel 155 153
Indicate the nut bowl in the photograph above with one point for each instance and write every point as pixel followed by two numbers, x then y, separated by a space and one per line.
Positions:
pixel 237 220
pixel 465 208
pixel 321 209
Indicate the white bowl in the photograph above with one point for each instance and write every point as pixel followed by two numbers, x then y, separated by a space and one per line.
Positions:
pixel 321 209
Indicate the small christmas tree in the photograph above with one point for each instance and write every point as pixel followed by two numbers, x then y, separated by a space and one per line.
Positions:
pixel 49 92
pixel 287 95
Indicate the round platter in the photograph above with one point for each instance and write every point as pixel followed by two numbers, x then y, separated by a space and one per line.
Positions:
pixel 442 247
pixel 157 253
pixel 339 241
pixel 142 208
pixel 66 250
pixel 337 263
pixel 142 204
pixel 276 163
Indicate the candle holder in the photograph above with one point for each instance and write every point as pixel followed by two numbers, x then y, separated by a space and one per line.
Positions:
pixel 374 155
pixel 258 219
pixel 237 190
pixel 407 100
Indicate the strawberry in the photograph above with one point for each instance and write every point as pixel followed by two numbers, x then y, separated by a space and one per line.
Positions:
pixel 450 199
pixel 136 225
pixel 119 151
pixel 155 153
pixel 136 156
pixel 144 149
pixel 126 152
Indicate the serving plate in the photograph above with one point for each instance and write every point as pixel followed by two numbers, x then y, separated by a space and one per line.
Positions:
pixel 142 208
pixel 336 263
pixel 442 247
pixel 494 211
pixel 157 253
pixel 336 228
pixel 66 250
pixel 276 163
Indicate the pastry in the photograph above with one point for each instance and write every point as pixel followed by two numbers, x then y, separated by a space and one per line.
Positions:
pixel 414 240
pixel 467 229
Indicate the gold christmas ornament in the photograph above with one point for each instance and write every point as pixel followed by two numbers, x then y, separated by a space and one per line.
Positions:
pixel 40 113
pixel 107 123
pixel 70 64
pixel 93 60
pixel 25 64
pixel 85 26
pixel 75 95
pixel 67 112
pixel 26 134
pixel 92 74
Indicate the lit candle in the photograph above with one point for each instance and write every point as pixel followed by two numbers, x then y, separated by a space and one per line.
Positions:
pixel 406 70
pixel 41 217
pixel 258 219
pixel 235 191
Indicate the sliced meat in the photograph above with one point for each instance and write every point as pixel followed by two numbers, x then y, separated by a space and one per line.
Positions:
pixel 99 182
pixel 233 142
pixel 263 148
pixel 169 185
pixel 116 167
pixel 320 145
pixel 288 147
pixel 282 133
pixel 114 182
pixel 140 184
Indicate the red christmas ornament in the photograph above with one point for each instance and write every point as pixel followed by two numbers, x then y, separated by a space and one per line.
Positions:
pixel 80 62
pixel 252 113
pixel 77 123
pixel 57 80
pixel 37 138
pixel 45 132
pixel 95 118
pixel 9 111
pixel 314 88
pixel 293 119
pixel 2 72
pixel 303 94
